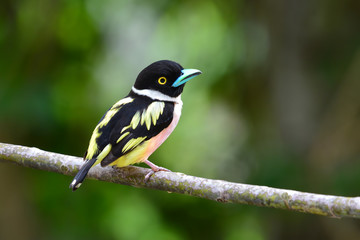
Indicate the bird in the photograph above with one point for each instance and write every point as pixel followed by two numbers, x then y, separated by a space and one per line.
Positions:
pixel 135 126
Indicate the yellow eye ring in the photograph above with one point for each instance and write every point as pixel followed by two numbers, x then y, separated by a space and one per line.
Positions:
pixel 162 80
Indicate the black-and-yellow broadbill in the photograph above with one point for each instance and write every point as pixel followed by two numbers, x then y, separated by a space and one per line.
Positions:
pixel 134 127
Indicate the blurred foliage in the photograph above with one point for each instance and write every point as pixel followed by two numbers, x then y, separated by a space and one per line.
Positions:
pixel 278 105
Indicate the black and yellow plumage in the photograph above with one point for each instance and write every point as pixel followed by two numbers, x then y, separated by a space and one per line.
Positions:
pixel 134 127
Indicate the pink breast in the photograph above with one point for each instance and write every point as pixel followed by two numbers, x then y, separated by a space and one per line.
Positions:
pixel 156 141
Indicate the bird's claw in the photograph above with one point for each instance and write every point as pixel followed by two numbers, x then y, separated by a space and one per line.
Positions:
pixel 153 171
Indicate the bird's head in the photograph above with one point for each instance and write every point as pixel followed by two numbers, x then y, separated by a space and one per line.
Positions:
pixel 165 76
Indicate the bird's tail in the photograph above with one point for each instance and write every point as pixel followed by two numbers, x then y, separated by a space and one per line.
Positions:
pixel 80 176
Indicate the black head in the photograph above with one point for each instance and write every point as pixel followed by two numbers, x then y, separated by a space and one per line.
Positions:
pixel 165 76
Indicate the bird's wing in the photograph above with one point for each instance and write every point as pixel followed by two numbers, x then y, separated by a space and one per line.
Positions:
pixel 101 134
pixel 137 122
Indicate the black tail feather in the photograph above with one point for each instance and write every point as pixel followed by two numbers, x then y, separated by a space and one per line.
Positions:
pixel 80 176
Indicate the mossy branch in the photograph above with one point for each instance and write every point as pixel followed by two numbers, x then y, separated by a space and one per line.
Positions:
pixel 217 190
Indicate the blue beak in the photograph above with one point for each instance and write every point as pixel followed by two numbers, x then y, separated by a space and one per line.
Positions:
pixel 186 75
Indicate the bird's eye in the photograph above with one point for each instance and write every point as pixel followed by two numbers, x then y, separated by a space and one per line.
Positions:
pixel 162 80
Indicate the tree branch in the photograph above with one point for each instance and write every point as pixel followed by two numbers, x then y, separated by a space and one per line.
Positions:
pixel 216 190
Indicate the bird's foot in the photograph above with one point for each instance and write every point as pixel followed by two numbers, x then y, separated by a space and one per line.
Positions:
pixel 154 169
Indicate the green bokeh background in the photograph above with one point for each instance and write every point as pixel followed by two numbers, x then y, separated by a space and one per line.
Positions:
pixel 278 104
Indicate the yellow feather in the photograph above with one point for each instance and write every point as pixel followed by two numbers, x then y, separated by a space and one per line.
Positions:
pixel 122 102
pixel 162 108
pixel 125 128
pixel 148 120
pixel 148 116
pixel 135 120
pixel 134 156
pixel 93 147
pixel 159 110
pixel 103 154
pixel 133 124
pixel 143 118
pixel 152 114
pixel 122 137
pixel 132 143
pixel 154 118
pixel 114 109
pixel 151 110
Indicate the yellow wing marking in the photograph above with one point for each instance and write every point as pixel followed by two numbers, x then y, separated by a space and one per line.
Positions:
pixel 132 143
pixel 114 109
pixel 103 154
pixel 122 137
pixel 125 128
pixel 143 118
pixel 147 116
pixel 152 114
pixel 136 155
pixel 135 120
pixel 93 147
